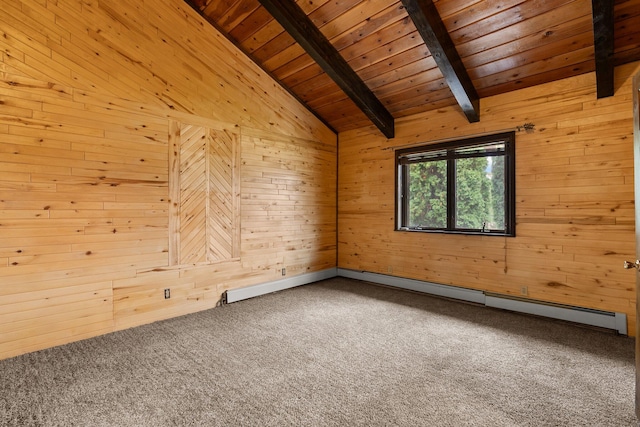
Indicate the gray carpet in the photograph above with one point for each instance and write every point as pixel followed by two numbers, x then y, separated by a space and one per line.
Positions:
pixel 336 353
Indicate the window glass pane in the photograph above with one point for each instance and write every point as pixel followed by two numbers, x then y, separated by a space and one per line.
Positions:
pixel 428 194
pixel 473 188
pixel 496 205
pixel 480 193
pixel 481 149
pixel 422 156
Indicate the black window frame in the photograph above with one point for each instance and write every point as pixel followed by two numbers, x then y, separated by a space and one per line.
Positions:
pixel 405 157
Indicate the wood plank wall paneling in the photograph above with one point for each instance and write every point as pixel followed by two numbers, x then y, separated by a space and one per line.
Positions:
pixel 575 199
pixel 279 192
pixel 93 98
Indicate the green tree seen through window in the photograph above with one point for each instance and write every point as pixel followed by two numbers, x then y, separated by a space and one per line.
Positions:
pixel 428 194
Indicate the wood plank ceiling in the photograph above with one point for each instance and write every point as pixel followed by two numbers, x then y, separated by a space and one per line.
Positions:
pixel 358 62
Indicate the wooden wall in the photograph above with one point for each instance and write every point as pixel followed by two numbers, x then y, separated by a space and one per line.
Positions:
pixel 139 150
pixel 575 199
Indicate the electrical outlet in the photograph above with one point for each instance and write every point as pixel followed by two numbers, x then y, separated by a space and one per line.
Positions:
pixel 284 271
pixel 167 293
pixel 524 291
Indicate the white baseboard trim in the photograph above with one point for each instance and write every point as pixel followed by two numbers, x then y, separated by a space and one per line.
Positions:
pixel 599 318
pixel 585 316
pixel 416 285
pixel 603 319
pixel 233 295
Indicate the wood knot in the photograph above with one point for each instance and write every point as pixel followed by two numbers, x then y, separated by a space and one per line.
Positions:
pixel 556 285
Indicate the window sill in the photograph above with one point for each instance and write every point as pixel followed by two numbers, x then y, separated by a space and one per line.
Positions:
pixel 459 232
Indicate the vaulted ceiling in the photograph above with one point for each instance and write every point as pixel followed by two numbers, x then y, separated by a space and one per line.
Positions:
pixel 358 62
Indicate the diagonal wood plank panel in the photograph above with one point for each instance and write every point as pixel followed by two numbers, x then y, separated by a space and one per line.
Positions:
pixel 208 210
pixel 193 189
pixel 221 199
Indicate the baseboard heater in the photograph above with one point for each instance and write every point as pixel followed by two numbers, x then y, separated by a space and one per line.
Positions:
pixel 234 295
pixel 598 318
pixel 586 316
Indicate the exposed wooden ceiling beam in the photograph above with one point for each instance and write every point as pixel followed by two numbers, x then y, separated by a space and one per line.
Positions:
pixel 301 28
pixel 427 20
pixel 603 43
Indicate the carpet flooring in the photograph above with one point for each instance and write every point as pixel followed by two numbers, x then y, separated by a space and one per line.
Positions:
pixel 335 353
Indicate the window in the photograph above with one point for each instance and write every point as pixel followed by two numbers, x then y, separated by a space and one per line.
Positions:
pixel 464 186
